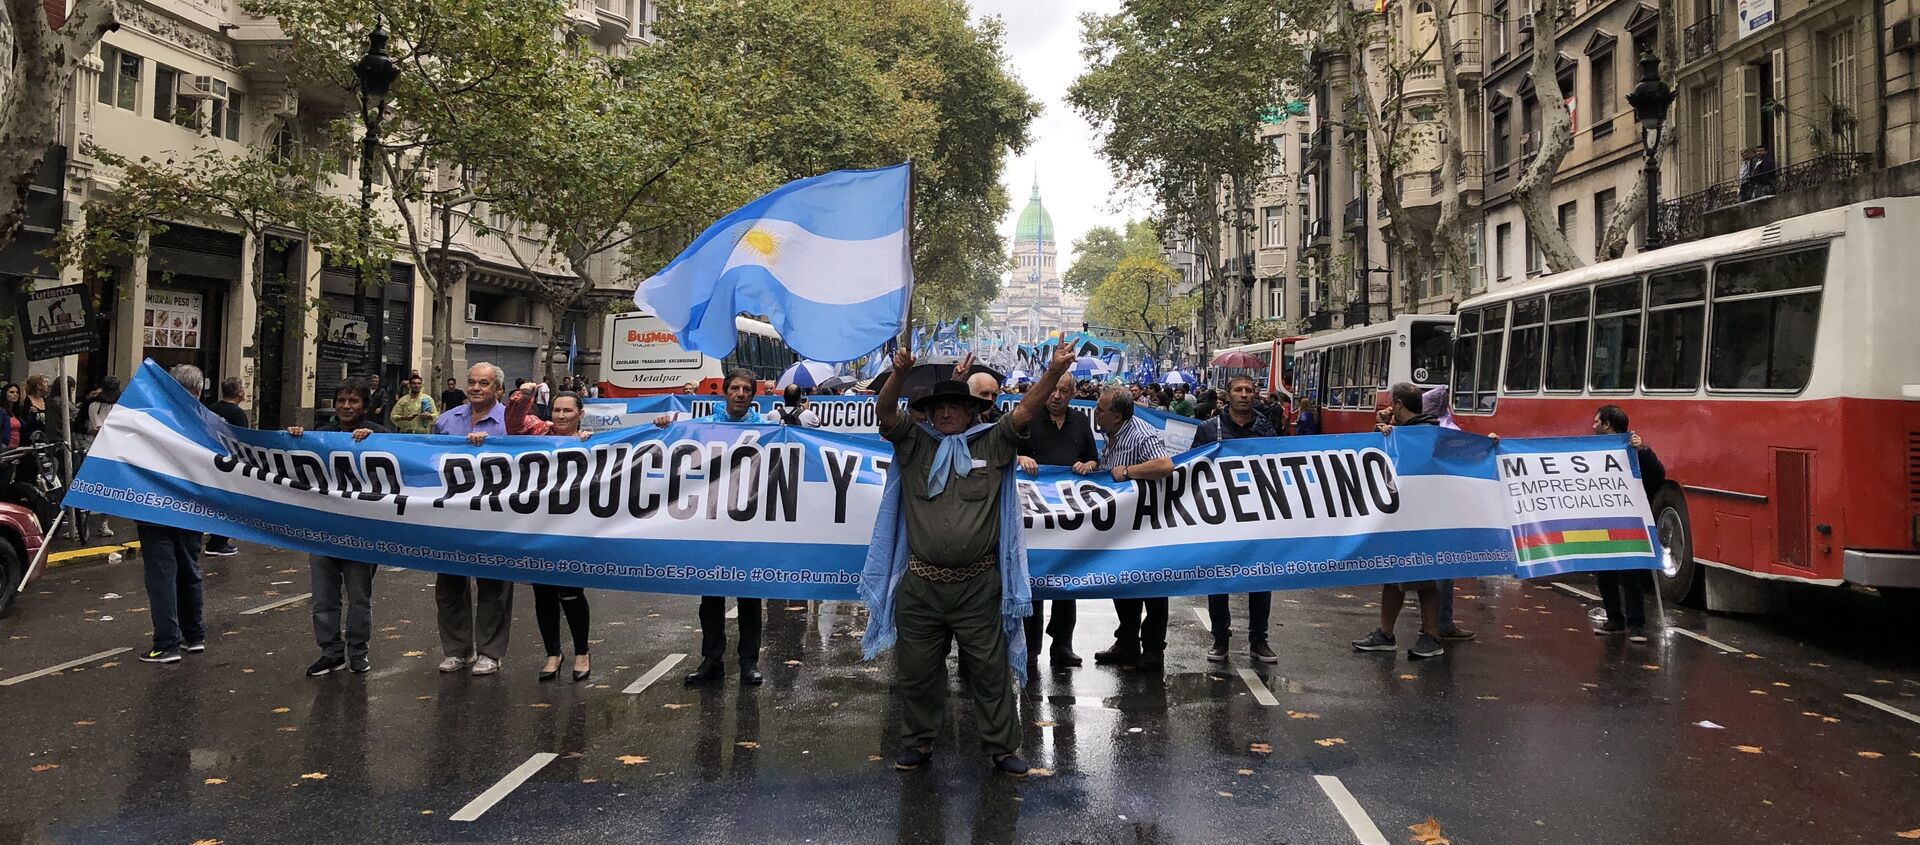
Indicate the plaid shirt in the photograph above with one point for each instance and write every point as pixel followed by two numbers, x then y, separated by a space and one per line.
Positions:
pixel 1135 443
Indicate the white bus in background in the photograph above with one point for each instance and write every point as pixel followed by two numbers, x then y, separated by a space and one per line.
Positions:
pixel 640 356
pixel 1347 373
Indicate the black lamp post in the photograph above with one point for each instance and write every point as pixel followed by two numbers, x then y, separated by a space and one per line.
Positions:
pixel 1650 99
pixel 375 73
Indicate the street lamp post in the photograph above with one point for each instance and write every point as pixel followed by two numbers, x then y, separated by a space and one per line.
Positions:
pixel 1651 98
pixel 375 73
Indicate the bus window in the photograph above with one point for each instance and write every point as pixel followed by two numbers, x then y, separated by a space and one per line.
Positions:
pixel 1487 372
pixel 1676 329
pixel 1567 339
pixel 1382 358
pixel 1765 313
pixel 1463 358
pixel 1616 336
pixel 1432 348
pixel 1523 356
pixel 1342 379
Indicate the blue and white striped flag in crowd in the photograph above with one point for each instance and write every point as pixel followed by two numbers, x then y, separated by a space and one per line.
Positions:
pixel 826 259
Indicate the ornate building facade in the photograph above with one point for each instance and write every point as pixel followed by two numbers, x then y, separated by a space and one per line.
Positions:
pixel 1032 300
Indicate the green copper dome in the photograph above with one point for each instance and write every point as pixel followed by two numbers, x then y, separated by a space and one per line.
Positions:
pixel 1035 223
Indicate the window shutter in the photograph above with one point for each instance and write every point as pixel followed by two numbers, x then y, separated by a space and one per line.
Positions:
pixel 1749 107
pixel 1778 143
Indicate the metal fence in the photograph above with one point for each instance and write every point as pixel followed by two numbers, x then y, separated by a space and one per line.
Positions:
pixel 1683 219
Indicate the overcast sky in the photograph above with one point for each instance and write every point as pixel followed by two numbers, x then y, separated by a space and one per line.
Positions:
pixel 1043 42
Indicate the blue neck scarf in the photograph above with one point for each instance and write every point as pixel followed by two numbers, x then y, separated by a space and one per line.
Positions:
pixel 955 457
pixel 887 556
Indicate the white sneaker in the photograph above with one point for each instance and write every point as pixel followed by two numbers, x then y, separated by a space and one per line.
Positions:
pixel 105 530
pixel 453 664
pixel 485 665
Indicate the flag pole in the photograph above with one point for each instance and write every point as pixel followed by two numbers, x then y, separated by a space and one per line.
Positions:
pixel 906 315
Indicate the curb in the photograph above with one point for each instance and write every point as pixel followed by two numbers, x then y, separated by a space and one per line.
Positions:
pixel 73 557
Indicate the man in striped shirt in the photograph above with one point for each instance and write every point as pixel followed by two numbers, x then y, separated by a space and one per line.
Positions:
pixel 1134 452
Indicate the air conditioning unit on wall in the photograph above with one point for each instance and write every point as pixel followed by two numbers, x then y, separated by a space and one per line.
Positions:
pixel 201 88
pixel 1901 39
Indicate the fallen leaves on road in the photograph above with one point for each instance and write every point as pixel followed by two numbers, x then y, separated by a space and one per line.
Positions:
pixel 214 781
pixel 1244 772
pixel 747 744
pixel 1329 742
pixel 793 663
pixel 1223 793
pixel 1781 684
pixel 1407 677
pixel 314 776
pixel 1871 755
pixel 1516 636
pixel 1756 692
pixel 1881 681
pixel 423 698
pixel 1909 834
pixel 46 767
pixel 1043 723
pixel 1261 748
pixel 83 723
pixel 108 665
pixel 1428 833
pixel 246 671
pixel 1296 714
pixel 283 710
pixel 289 729
pixel 540 705
pixel 208 842
pixel 676 705
pixel 1709 726
pixel 413 654
pixel 1038 772
pixel 1651 667
pixel 1818 665
pixel 1488 697
pixel 873 758
pixel 631 759
pixel 1749 749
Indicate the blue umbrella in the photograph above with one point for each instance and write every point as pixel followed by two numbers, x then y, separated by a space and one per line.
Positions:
pixel 1085 367
pixel 1019 377
pixel 805 374
pixel 1175 378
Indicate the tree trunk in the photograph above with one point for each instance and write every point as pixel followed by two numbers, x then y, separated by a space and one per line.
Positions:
pixel 36 84
pixel 1632 210
pixel 1450 252
pixel 1535 190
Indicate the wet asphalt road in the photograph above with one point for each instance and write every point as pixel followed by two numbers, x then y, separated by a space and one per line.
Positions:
pixel 1537 732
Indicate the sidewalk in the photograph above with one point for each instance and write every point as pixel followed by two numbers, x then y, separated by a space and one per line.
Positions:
pixel 67 552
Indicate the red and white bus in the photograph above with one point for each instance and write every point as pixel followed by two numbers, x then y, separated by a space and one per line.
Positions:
pixel 1775 371
pixel 639 356
pixel 1276 364
pixel 1347 373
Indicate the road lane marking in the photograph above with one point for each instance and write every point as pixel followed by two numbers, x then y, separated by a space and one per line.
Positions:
pixel 1364 830
pixel 1885 706
pixel 733 612
pixel 1706 639
pixel 1258 688
pixel 67 665
pixel 1206 624
pixel 281 603
pixel 659 669
pixel 1577 591
pixel 480 805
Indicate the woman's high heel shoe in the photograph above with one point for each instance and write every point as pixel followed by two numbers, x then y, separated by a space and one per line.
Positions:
pixel 549 674
pixel 582 674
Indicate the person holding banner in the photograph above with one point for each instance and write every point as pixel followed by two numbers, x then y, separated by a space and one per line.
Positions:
pixel 1135 452
pixel 740 385
pixel 1620 591
pixel 1241 419
pixel 475 614
pixel 1061 437
pixel 1407 410
pixel 550 601
pixel 948 560
pixel 175 594
pixel 333 577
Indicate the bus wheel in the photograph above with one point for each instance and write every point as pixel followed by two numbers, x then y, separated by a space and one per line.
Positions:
pixel 1678 577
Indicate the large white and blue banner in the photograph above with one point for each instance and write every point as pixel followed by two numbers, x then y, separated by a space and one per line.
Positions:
pixel 842 414
pixel 786 512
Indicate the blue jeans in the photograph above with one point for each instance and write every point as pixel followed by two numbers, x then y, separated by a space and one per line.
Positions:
pixel 1446 604
pixel 172 560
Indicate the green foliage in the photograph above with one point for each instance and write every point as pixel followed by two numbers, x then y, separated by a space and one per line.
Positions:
pixel 1142 294
pixel 1099 253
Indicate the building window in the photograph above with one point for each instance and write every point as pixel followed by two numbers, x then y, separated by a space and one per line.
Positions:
pixel 1502 245
pixel 1499 24
pixel 119 78
pixel 1569 217
pixel 168 105
pixel 1502 139
pixel 1276 299
pixel 1602 103
pixel 1839 113
pixel 1704 102
pixel 1272 227
pixel 1765 312
pixel 1476 279
pixel 1603 204
pixel 1536 260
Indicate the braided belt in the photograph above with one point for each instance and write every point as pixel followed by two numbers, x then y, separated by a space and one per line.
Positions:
pixel 949 574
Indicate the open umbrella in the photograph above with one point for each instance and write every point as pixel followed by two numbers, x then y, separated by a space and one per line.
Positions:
pixel 929 371
pixel 1175 378
pixel 804 374
pixel 1019 377
pixel 838 383
pixel 1086 367
pixel 1238 361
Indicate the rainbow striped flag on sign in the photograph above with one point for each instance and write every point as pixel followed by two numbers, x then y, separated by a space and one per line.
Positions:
pixel 1557 539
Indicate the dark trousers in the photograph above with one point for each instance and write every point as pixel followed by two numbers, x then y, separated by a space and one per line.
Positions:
pixel 1061 628
pixel 548 602
pixel 216 541
pixel 713 629
pixel 1259 610
pixel 931 617
pixel 171 558
pixel 1446 604
pixel 476 614
pixel 333 580
pixel 1621 594
pixel 1148 635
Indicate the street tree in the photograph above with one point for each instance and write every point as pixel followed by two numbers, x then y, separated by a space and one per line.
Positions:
pixel 258 191
pixel 1175 89
pixel 1142 294
pixel 1099 252
pixel 1534 191
pixel 1632 209
pixel 36 70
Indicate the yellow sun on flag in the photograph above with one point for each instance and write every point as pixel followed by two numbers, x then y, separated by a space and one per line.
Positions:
pixel 761 241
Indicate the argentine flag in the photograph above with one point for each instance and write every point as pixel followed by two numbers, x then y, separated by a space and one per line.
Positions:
pixel 825 258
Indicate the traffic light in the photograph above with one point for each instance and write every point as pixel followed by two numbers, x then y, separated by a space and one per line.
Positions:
pixel 965 326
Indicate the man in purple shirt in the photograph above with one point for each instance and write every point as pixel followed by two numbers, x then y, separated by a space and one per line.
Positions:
pixel 471 614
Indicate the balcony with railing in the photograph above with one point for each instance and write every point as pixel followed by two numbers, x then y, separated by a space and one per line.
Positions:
pixel 1317 142
pixel 1697 41
pixel 1355 216
pixel 1466 58
pixel 1322 231
pixel 1691 217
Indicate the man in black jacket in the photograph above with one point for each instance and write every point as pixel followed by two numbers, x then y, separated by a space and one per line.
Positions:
pixel 233 391
pixel 1406 411
pixel 1620 592
pixel 1061 437
pixel 1240 419
pixel 334 578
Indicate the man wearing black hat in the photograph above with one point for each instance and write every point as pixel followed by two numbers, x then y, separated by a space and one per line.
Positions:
pixel 950 493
